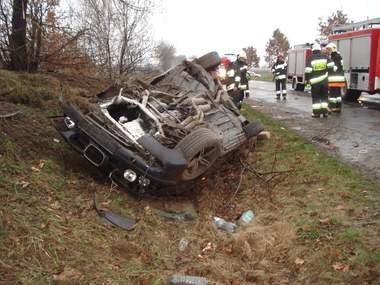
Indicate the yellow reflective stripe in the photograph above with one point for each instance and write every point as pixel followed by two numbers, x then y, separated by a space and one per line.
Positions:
pixel 335 68
pixel 338 99
pixel 333 100
pixel 282 76
pixel 231 73
pixel 324 105
pixel 336 78
pixel 243 86
pixel 331 64
pixel 237 78
pixel 318 61
pixel 308 70
pixel 282 66
pixel 318 79
pixel 244 67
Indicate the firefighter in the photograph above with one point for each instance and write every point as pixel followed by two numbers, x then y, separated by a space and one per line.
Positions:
pixel 279 70
pixel 316 72
pixel 237 79
pixel 336 79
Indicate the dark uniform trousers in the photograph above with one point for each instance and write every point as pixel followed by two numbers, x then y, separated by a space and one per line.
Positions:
pixel 319 95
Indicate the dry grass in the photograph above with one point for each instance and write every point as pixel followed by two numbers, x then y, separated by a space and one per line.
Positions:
pixel 315 217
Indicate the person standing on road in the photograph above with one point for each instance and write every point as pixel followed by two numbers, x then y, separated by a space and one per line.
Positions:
pixel 336 79
pixel 279 70
pixel 237 79
pixel 316 73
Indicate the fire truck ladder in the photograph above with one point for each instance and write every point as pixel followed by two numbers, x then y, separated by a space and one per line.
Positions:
pixel 356 26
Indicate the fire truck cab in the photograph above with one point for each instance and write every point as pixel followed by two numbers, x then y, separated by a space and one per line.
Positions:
pixel 359 46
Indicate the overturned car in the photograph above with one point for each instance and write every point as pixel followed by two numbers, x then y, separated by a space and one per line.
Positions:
pixel 164 133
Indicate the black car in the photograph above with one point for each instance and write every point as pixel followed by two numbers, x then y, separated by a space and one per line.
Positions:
pixel 164 133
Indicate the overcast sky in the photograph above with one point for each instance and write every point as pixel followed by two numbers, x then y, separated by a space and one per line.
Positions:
pixel 195 27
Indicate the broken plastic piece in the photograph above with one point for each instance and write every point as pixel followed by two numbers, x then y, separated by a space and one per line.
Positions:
pixel 114 219
pixel 246 218
pixel 187 280
pixel 224 225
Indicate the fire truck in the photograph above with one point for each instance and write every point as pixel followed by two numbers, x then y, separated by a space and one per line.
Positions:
pixel 359 46
pixel 297 58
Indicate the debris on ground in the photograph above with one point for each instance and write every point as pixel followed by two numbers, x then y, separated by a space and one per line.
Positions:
pixel 246 218
pixel 182 245
pixel 187 280
pixel 224 225
pixel 114 219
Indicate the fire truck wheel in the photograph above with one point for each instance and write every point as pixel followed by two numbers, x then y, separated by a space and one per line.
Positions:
pixel 209 60
pixel 351 95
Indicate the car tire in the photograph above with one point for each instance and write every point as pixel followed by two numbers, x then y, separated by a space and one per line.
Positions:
pixel 200 148
pixel 209 60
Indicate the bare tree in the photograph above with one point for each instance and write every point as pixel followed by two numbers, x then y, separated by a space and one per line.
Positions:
pixel 17 42
pixel 277 44
pixel 252 58
pixel 336 18
pixel 117 34
pixel 165 54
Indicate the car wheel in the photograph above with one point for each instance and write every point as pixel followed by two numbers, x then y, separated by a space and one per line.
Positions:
pixel 209 60
pixel 200 148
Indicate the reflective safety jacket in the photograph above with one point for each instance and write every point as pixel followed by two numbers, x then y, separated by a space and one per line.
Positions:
pixel 318 68
pixel 336 77
pixel 237 76
pixel 279 70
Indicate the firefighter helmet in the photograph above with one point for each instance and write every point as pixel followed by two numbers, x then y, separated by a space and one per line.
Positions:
pixel 242 55
pixel 316 46
pixel 331 46
pixel 225 61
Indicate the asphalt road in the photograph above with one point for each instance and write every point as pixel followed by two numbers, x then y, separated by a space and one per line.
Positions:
pixel 353 135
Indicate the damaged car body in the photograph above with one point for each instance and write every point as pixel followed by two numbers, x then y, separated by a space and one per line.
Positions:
pixel 165 133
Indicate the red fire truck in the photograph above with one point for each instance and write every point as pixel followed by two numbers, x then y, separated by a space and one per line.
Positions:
pixel 359 46
pixel 297 57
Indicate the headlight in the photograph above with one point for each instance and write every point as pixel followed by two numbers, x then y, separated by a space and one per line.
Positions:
pixel 130 175
pixel 69 122
pixel 144 181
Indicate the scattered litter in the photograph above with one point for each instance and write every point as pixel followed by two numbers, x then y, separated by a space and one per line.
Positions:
pixel 56 140
pixel 224 225
pixel 187 280
pixel 282 128
pixel 355 144
pixel 183 243
pixel 208 247
pixel 246 218
pixel 299 261
pixel 114 219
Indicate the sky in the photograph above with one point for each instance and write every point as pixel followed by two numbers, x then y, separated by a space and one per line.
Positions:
pixel 196 27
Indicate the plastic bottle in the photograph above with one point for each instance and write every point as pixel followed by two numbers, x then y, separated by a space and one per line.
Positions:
pixel 183 243
pixel 224 225
pixel 246 218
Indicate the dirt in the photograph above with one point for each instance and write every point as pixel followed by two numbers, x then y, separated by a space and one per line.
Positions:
pixel 309 227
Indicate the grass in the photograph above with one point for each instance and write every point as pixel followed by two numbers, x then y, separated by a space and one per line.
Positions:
pixel 49 232
pixel 265 76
